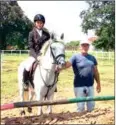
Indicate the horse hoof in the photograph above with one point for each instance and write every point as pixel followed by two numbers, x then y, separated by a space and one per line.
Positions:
pixel 22 113
pixel 29 109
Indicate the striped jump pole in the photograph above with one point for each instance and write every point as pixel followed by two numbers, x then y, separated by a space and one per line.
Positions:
pixel 55 102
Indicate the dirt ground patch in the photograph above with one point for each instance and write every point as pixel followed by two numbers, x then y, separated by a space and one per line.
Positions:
pixel 97 116
pixel 62 114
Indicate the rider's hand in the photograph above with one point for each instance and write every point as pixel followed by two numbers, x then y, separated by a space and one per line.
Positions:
pixel 39 58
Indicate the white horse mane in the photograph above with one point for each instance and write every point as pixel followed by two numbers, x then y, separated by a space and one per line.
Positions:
pixel 47 59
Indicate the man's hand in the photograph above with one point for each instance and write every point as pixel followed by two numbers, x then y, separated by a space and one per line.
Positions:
pixel 97 78
pixel 98 88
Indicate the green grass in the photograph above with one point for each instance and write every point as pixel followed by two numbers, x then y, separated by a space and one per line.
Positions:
pixel 9 85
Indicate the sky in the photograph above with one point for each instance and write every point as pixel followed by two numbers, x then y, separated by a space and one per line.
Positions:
pixel 61 17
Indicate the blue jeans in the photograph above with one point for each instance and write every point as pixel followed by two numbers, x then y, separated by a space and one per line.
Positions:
pixel 80 92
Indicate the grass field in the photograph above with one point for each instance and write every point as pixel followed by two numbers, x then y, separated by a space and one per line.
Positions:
pixel 11 62
pixel 9 85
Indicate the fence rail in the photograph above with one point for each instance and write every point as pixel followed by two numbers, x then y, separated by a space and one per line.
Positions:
pixel 100 55
pixel 20 52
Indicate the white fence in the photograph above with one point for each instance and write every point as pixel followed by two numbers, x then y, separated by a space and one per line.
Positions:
pixel 14 52
pixel 104 58
pixel 98 54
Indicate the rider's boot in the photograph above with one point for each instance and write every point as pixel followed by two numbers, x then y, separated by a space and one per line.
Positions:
pixel 26 79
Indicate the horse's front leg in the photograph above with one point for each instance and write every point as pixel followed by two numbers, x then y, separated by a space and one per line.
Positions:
pixel 39 98
pixel 49 107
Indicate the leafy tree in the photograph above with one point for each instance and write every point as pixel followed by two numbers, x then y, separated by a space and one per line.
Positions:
pixel 16 40
pixel 100 16
pixel 72 44
pixel 14 24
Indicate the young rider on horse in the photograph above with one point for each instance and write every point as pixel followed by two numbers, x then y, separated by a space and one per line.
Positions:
pixel 37 38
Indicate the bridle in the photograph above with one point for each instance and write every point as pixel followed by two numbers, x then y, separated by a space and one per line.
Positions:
pixel 55 58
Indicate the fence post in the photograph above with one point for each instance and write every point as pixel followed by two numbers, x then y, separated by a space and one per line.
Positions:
pixel 96 54
pixel 2 52
pixel 20 52
pixel 102 56
pixel 1 61
pixel 109 57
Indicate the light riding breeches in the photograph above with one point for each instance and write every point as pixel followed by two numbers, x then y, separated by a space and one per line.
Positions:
pixel 28 62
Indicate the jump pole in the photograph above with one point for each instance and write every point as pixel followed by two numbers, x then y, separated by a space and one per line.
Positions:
pixel 55 102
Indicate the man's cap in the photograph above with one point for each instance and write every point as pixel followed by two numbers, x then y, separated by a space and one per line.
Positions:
pixel 84 42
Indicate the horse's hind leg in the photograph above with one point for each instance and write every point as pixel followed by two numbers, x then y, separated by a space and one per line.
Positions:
pixel 31 95
pixel 22 92
pixel 22 112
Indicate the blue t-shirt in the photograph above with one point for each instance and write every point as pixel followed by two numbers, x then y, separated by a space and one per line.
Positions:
pixel 83 69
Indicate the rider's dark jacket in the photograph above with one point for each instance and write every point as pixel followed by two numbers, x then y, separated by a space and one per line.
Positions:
pixel 35 42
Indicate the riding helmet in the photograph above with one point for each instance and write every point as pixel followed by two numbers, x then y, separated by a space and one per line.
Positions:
pixel 39 17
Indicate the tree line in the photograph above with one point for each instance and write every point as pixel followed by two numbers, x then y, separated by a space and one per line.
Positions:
pixel 14 25
pixel 100 16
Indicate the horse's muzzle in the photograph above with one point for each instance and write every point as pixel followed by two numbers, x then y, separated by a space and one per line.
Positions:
pixel 61 64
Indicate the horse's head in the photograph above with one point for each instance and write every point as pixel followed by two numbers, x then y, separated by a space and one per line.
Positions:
pixel 58 50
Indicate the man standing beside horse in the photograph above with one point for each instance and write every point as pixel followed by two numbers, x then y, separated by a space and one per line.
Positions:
pixel 85 71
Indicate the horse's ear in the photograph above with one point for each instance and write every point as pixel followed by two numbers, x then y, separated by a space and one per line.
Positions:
pixel 52 36
pixel 62 36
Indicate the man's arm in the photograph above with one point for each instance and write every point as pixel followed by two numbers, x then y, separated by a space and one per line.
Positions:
pixel 97 78
pixel 68 64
